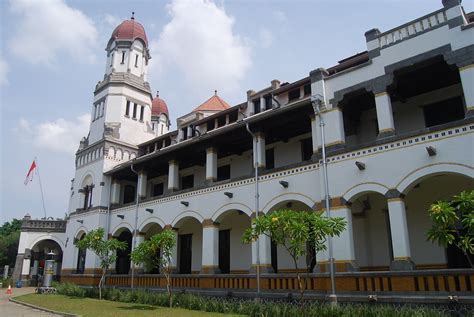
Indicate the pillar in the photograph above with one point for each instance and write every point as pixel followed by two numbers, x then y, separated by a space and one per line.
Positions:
pixel 315 138
pixel 139 239
pixel 115 193
pixel 263 106
pixel 211 164
pixel 467 79
pixel 399 231
pixel 265 255
pixel 25 272
pixel 141 186
pixel 383 105
pixel 343 245
pixel 210 247
pixel 259 150
pixel 174 251
pixel 173 175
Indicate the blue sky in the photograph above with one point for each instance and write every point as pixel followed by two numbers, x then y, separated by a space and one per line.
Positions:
pixel 52 55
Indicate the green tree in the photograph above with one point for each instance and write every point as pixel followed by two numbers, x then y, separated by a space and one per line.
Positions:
pixel 104 249
pixel 295 230
pixel 156 253
pixel 453 223
pixel 9 238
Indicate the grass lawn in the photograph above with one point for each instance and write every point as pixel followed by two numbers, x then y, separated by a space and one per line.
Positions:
pixel 93 307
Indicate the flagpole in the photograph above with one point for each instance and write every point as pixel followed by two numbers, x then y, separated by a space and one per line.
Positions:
pixel 41 188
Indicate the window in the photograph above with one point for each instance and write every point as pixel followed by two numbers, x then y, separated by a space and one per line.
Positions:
pixel 103 108
pixel 210 125
pixel 223 173
pixel 443 112
pixel 136 60
pixel 256 106
pixel 94 112
pixel 268 102
pixel 233 116
pixel 142 110
pixel 221 121
pixel 307 90
pixel 135 111
pixel 111 59
pixel 158 189
pixel 294 94
pixel 187 182
pixel 306 149
pixel 81 259
pixel 123 57
pixel 128 194
pixel 153 126
pixel 127 109
pixel 270 159
pixel 87 190
pixel 185 133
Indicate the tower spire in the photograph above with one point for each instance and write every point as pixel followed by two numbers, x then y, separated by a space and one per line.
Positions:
pixel 133 16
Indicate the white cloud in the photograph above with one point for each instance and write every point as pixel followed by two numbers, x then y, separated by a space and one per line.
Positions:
pixel 3 72
pixel 60 135
pixel 280 16
pixel 112 20
pixel 266 38
pixel 200 42
pixel 48 28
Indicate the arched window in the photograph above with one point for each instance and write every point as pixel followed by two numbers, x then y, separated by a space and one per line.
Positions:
pixel 81 258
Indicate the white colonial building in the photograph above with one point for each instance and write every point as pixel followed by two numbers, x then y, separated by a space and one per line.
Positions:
pixel 399 127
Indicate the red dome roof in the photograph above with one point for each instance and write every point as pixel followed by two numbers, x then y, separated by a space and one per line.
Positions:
pixel 158 106
pixel 130 30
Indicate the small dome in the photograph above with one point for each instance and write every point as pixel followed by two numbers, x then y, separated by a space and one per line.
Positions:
pixel 158 106
pixel 130 30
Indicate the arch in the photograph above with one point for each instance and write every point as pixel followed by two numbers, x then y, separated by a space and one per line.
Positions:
pixel 149 221
pixel 185 214
pixel 118 154
pixel 81 230
pixel 126 155
pixel 47 237
pixel 360 189
pixel 118 229
pixel 286 197
pixel 133 155
pixel 111 152
pixel 419 174
pixel 231 206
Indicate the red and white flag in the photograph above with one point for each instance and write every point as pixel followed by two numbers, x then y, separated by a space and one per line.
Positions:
pixel 29 176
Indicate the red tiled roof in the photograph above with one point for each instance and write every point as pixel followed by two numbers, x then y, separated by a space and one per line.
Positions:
pixel 158 106
pixel 130 30
pixel 215 103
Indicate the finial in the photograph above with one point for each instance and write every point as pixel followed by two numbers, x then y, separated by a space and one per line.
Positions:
pixel 215 92
pixel 133 16
pixel 157 93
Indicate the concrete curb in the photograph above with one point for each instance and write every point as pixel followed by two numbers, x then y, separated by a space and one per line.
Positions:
pixel 13 300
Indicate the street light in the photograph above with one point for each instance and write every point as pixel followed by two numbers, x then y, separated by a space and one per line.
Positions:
pixel 317 101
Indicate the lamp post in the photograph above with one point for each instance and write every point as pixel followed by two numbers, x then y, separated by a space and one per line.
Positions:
pixel 257 196
pixel 317 101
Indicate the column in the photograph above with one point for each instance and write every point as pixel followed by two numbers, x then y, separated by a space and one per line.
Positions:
pixel 263 106
pixel 343 245
pixel 315 138
pixel 383 105
pixel 210 247
pixel 142 180
pixel 399 230
pixel 333 128
pixel 211 164
pixel 139 238
pixel 174 251
pixel 467 80
pixel 25 272
pixel 115 193
pixel 259 150
pixel 265 255
pixel 173 175
pixel 250 106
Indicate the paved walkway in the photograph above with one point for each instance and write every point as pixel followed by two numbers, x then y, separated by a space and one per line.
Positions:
pixel 8 308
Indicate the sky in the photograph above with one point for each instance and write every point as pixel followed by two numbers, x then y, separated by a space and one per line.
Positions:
pixel 52 54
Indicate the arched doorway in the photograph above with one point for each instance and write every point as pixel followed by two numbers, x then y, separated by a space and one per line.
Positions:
pixel 371 232
pixel 189 245
pixel 39 254
pixel 419 197
pixel 234 256
pixel 281 261
pixel 122 264
pixel 149 231
pixel 81 256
